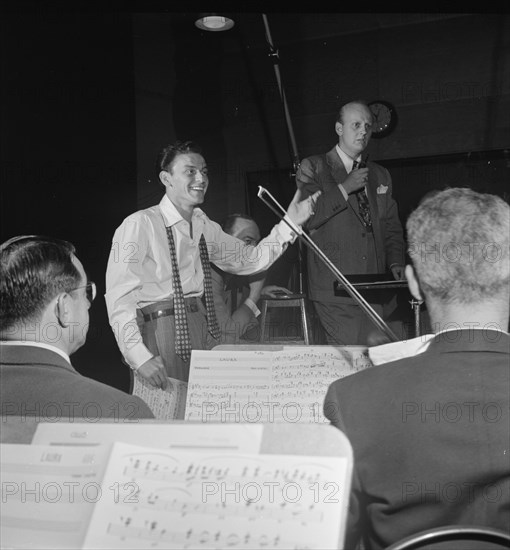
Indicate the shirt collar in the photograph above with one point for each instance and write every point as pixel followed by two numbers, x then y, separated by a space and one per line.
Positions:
pixel 37 345
pixel 346 159
pixel 171 214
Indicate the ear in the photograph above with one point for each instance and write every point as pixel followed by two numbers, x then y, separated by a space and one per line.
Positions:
pixel 164 178
pixel 414 285
pixel 339 128
pixel 63 309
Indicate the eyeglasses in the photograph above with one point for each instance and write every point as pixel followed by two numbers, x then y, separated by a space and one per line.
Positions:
pixel 90 290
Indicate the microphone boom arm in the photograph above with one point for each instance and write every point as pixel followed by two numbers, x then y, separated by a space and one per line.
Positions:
pixel 367 308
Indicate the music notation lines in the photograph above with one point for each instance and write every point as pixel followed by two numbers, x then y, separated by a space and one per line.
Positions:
pixel 195 538
pixel 230 500
pixel 280 386
pixel 222 509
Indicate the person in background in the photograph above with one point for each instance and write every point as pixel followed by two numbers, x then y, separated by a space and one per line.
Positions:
pixel 430 431
pixel 44 319
pixel 356 224
pixel 236 297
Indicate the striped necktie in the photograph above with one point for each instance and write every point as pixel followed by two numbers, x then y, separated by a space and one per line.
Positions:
pixel 212 321
pixel 182 338
pixel 363 205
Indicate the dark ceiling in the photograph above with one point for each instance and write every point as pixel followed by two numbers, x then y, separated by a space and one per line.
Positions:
pixel 287 27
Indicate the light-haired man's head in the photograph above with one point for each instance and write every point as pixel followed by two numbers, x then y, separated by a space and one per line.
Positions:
pixel 459 242
pixel 354 127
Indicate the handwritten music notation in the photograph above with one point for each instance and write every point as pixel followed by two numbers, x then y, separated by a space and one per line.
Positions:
pixel 167 404
pixel 168 469
pixel 202 538
pixel 185 500
pixel 267 386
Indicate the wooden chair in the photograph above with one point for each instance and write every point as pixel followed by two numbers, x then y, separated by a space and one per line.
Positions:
pixel 289 301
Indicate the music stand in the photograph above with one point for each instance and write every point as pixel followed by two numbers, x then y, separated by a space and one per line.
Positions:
pixel 377 288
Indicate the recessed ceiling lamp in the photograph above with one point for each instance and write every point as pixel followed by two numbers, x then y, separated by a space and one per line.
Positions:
pixel 214 22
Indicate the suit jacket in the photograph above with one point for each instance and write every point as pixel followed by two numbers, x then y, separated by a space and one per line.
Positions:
pixel 430 436
pixel 337 229
pixel 39 382
pixel 233 324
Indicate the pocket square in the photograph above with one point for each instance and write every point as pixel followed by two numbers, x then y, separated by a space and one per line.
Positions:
pixel 381 190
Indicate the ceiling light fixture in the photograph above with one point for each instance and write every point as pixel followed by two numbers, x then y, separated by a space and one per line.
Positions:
pixel 214 22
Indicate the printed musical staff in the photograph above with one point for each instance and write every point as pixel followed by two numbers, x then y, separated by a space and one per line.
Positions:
pixel 235 500
pixel 267 386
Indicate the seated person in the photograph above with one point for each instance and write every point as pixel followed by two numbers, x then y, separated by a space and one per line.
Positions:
pixel 236 296
pixel 45 297
pixel 430 431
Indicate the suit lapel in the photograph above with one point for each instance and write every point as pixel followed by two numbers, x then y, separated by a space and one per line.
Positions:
pixel 336 165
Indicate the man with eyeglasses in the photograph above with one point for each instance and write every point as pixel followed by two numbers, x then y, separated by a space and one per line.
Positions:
pixel 44 319
pixel 157 270
pixel 236 297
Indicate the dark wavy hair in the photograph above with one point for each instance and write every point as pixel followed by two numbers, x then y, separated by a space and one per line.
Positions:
pixel 168 154
pixel 33 270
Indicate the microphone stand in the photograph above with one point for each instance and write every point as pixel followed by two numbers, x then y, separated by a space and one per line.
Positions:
pixel 273 53
pixel 367 308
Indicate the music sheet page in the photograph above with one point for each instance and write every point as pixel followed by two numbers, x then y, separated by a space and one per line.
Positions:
pixel 185 500
pixel 301 377
pixel 267 386
pixel 246 438
pixel 48 494
pixel 222 383
pixel 167 404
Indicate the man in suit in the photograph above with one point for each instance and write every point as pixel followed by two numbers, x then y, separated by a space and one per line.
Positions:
pixel 45 297
pixel 356 224
pixel 236 296
pixel 430 431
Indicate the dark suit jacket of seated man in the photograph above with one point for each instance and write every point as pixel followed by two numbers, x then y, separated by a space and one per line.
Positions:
pixel 430 432
pixel 45 300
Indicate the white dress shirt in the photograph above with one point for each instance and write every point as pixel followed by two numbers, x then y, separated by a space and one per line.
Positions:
pixel 347 162
pixel 139 270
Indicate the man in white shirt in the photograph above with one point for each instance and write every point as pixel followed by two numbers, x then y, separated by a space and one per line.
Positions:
pixel 140 279
pixel 44 319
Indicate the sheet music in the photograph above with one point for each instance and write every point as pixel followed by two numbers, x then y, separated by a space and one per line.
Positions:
pixel 223 384
pixel 301 377
pixel 167 404
pixel 267 386
pixel 209 501
pixel 246 438
pixel 48 494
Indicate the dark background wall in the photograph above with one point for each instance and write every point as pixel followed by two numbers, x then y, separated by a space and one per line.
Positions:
pixel 447 74
pixel 89 98
pixel 68 146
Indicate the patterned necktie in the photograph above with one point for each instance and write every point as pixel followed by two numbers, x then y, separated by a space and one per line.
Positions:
pixel 212 321
pixel 182 339
pixel 363 205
